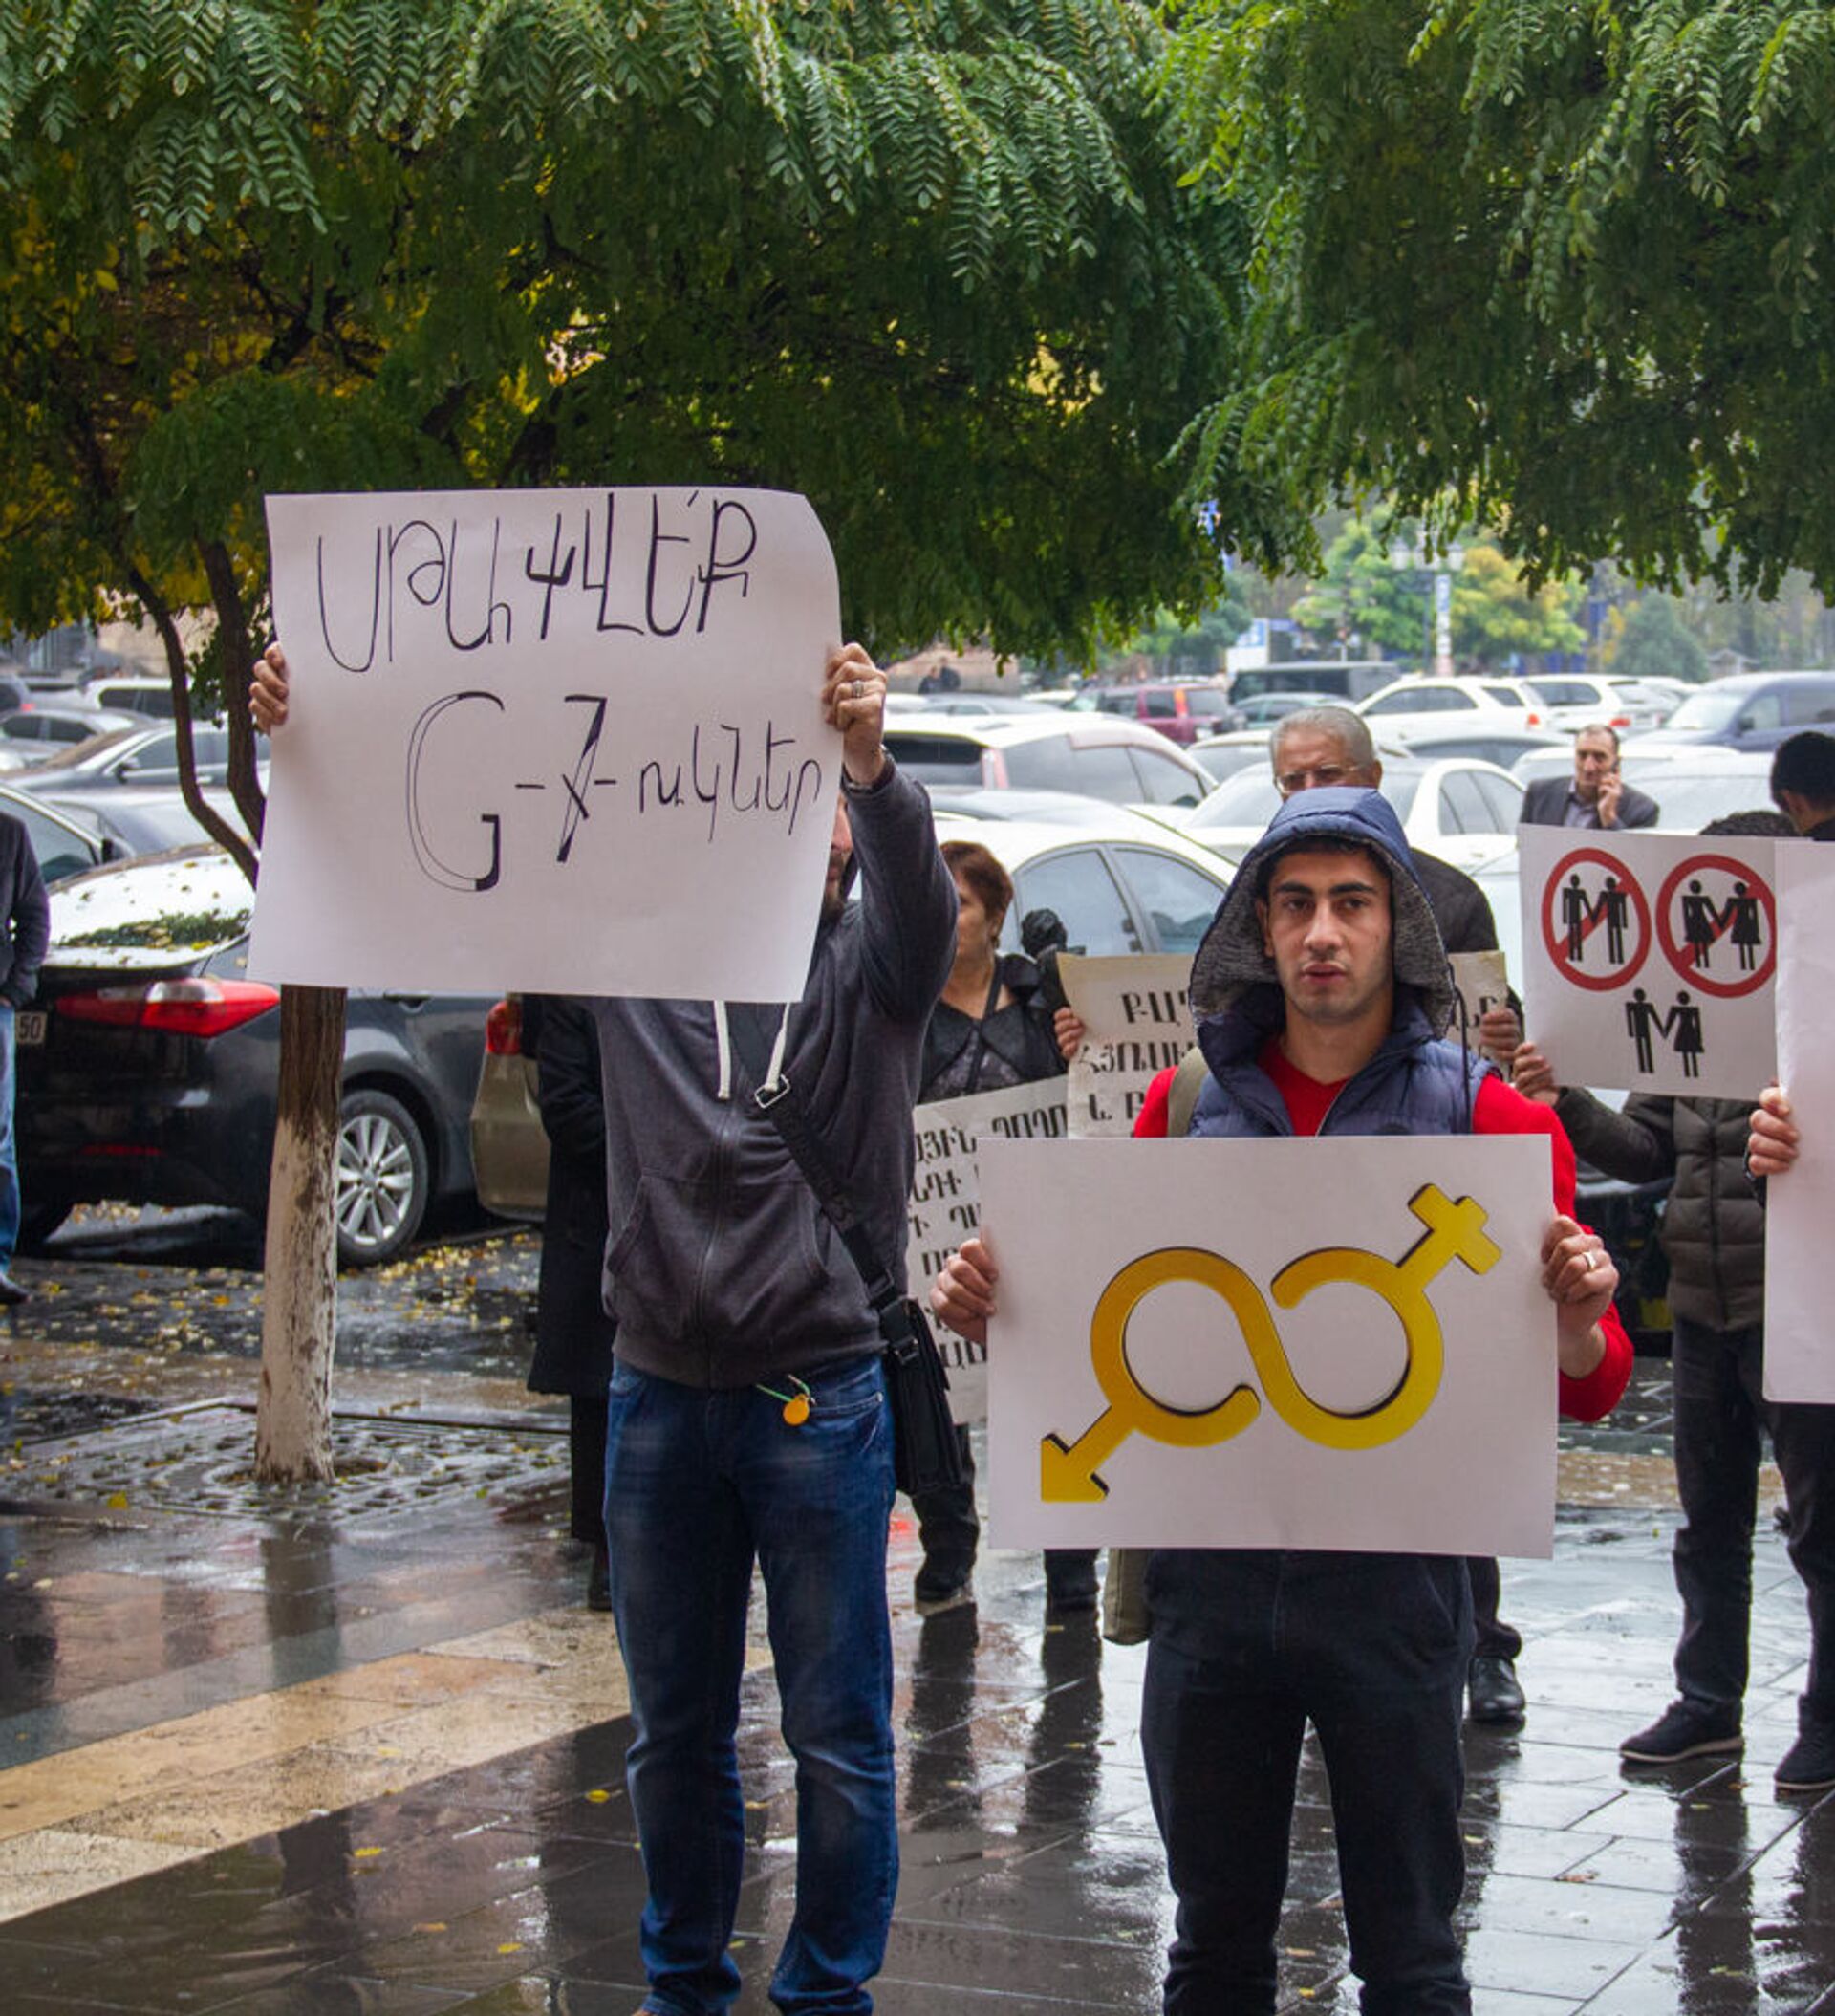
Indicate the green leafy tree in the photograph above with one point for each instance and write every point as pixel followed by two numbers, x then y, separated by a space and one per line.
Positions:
pixel 1499 615
pixel 1649 640
pixel 929 264
pixel 1362 594
pixel 1558 268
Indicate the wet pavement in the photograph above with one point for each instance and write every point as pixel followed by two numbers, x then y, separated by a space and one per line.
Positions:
pixel 357 1748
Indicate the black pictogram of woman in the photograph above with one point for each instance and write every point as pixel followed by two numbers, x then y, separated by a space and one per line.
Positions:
pixel 1701 926
pixel 1747 928
pixel 1682 1026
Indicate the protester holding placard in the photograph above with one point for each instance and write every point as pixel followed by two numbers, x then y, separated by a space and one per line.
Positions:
pixel 993 1027
pixel 747 1411
pixel 1713 1232
pixel 1326 745
pixel 1322 989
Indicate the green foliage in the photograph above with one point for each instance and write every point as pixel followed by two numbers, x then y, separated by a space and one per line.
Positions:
pixel 1361 595
pixel 1650 641
pixel 929 262
pixel 1498 614
pixel 1557 267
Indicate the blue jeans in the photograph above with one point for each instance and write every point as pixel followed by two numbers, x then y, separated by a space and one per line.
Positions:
pixel 698 1482
pixel 1246 1647
pixel 9 1152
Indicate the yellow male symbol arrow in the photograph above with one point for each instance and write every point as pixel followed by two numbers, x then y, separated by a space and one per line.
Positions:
pixel 1455 1232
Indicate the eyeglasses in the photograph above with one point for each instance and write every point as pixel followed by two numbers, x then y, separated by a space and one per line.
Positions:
pixel 1291 781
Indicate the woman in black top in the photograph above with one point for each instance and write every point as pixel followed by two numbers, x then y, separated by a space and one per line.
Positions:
pixel 992 1029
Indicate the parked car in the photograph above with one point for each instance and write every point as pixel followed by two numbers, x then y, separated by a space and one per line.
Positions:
pixel 1413 705
pixel 975 704
pixel 148 818
pixel 148 1065
pixel 1692 783
pixel 1120 882
pixel 1223 755
pixel 1262 711
pixel 1490 741
pixel 43 727
pixel 1098 754
pixel 1466 813
pixel 63 841
pixel 1575 701
pixel 148 698
pixel 1180 709
pixel 145 754
pixel 1753 710
pixel 14 693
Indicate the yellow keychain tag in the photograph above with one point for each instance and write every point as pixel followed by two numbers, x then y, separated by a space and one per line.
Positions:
pixel 797 1411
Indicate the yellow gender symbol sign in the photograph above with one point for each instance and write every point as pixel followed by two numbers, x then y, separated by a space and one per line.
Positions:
pixel 1455 1232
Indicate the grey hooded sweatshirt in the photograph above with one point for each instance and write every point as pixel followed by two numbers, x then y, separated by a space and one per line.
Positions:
pixel 721 1269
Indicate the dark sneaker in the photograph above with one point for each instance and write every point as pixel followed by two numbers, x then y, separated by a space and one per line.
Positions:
pixel 932 1595
pixel 1809 1763
pixel 1492 1691
pixel 1685 1729
pixel 12 1292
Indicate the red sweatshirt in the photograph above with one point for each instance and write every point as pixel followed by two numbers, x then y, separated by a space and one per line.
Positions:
pixel 1497 1109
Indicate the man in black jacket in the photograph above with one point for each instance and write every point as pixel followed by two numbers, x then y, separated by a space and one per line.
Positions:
pixel 22 953
pixel 1598 798
pixel 1322 746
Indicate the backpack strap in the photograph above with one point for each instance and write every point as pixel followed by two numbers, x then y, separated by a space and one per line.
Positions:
pixel 1181 1102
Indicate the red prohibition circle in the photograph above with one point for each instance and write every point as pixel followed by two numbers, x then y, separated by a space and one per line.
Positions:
pixel 1556 940
pixel 1677 955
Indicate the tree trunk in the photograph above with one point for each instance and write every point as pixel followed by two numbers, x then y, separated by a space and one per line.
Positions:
pixel 299 1292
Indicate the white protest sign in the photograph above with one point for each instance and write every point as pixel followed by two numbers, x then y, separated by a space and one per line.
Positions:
pixel 1482 982
pixel 946 1199
pixel 1800 1206
pixel 1137 1021
pixel 1648 958
pixel 1336 1343
pixel 568 741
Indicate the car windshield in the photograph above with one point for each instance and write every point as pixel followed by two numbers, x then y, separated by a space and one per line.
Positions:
pixel 79 755
pixel 146 913
pixel 1249 798
pixel 1706 710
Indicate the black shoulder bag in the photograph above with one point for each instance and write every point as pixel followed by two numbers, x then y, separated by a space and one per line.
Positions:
pixel 926 1449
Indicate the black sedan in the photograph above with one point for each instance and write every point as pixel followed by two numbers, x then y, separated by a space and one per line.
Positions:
pixel 149 1062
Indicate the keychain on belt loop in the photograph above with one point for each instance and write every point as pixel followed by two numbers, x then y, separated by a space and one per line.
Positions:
pixel 796 1405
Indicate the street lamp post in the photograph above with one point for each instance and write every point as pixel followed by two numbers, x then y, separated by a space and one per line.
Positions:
pixel 1436 575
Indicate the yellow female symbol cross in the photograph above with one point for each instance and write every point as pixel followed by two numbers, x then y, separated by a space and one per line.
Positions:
pixel 1455 1232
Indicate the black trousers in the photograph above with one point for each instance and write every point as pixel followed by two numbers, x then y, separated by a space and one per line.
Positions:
pixel 586 1462
pixel 1721 1409
pixel 1372 1649
pixel 1492 1638
pixel 950 1530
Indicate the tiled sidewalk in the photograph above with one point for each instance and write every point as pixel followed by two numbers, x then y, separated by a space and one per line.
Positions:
pixel 372 1764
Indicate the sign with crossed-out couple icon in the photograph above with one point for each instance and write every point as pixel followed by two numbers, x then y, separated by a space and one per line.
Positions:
pixel 1334 1343
pixel 1648 958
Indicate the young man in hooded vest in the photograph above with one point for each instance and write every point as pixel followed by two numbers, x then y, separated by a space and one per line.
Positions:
pixel 1321 991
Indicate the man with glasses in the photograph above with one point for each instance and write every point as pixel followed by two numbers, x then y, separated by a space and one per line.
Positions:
pixel 1598 798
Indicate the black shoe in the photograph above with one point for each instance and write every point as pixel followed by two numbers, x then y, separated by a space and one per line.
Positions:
pixel 598 1581
pixel 1809 1763
pixel 12 1292
pixel 1492 1691
pixel 933 1594
pixel 1685 1729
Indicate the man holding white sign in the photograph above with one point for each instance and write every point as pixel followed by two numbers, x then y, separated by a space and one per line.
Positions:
pixel 1322 989
pixel 748 1410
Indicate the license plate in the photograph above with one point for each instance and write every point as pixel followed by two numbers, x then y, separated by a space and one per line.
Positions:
pixel 29 1026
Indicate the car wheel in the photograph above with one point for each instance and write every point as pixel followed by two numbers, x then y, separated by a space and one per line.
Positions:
pixel 383 1178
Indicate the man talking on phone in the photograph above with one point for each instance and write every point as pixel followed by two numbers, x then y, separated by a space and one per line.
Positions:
pixel 1598 797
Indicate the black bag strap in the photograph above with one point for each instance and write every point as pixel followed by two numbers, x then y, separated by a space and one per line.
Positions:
pixel 783 1107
